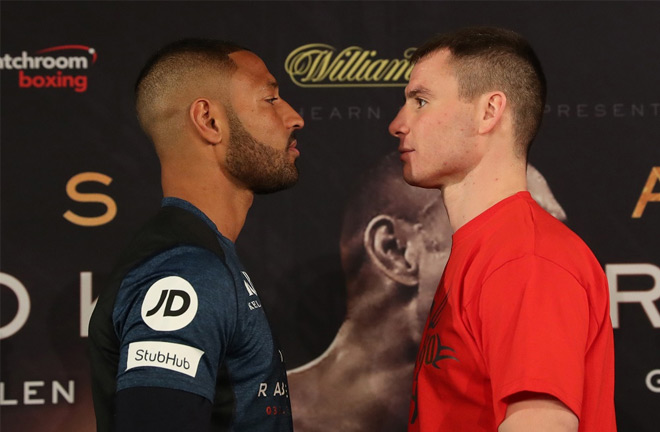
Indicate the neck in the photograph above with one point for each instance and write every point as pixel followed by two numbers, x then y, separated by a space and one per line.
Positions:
pixel 211 192
pixel 484 186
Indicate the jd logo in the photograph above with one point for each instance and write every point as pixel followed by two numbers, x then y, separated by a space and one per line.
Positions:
pixel 171 295
pixel 170 304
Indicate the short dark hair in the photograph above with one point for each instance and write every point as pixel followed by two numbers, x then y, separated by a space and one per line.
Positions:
pixel 489 58
pixel 210 49
pixel 170 66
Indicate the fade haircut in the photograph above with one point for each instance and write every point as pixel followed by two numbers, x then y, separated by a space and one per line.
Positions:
pixel 486 59
pixel 173 67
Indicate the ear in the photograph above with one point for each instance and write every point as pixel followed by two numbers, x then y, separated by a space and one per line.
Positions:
pixel 387 242
pixel 492 106
pixel 204 116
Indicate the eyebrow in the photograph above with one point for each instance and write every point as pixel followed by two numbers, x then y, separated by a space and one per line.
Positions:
pixel 273 84
pixel 423 91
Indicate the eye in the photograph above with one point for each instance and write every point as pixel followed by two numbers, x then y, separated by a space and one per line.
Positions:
pixel 272 100
pixel 420 102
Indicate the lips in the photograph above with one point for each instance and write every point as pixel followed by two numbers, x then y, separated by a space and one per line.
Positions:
pixel 292 139
pixel 291 148
pixel 404 153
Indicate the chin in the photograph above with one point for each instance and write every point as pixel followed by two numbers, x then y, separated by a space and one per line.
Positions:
pixel 409 178
pixel 418 183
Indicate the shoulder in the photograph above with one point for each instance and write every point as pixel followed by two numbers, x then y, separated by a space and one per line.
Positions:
pixel 182 277
pixel 169 227
pixel 195 264
pixel 525 226
pixel 522 240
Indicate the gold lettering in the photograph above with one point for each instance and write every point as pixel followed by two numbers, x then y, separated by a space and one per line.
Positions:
pixel 394 74
pixel 379 65
pixel 339 65
pixel 358 63
pixel 647 193
pixel 354 55
pixel 72 192
pixel 360 75
pixel 408 70
pixel 320 65
pixel 304 61
pixel 319 69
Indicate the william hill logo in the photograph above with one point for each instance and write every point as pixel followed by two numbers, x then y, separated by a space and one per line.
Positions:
pixel 321 65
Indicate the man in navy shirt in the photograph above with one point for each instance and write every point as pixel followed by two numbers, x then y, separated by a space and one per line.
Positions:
pixel 179 340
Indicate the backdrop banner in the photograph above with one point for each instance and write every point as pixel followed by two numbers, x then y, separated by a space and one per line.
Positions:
pixel 78 177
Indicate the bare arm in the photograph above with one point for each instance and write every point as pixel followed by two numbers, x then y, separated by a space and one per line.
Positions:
pixel 538 413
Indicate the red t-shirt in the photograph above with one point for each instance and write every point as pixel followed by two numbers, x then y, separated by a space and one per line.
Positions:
pixel 523 305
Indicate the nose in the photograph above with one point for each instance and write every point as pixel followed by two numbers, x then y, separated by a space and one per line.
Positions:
pixel 292 120
pixel 398 127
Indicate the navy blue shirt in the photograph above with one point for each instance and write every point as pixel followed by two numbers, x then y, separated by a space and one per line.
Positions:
pixel 184 317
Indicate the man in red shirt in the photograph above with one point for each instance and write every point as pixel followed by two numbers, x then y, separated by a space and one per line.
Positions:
pixel 519 336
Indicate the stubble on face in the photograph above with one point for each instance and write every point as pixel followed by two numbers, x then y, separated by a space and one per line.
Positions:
pixel 263 169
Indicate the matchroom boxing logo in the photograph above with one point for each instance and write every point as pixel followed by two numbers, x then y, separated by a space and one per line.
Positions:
pixel 52 67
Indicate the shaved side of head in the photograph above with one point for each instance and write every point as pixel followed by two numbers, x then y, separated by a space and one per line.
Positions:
pixel 174 77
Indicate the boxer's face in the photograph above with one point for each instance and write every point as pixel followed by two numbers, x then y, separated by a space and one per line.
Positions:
pixel 437 129
pixel 262 146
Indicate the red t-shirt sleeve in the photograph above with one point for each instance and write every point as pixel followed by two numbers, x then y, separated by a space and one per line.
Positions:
pixel 532 325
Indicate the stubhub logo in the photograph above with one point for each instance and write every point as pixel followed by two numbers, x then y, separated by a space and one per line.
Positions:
pixel 165 355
